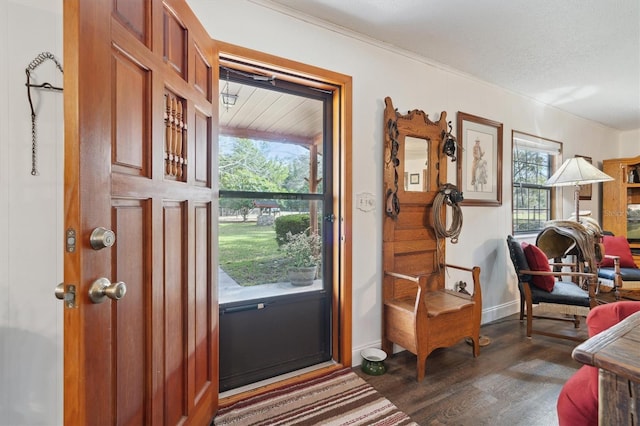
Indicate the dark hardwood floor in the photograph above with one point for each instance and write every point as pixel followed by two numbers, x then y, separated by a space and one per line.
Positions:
pixel 514 381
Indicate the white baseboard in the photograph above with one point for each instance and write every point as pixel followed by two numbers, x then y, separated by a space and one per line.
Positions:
pixel 500 311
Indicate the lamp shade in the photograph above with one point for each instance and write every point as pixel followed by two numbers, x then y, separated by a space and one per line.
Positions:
pixel 577 171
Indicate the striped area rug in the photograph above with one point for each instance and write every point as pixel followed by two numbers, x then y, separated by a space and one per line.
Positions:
pixel 339 398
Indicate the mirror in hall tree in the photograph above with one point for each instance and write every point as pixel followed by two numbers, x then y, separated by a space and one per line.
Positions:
pixel 412 155
pixel 416 164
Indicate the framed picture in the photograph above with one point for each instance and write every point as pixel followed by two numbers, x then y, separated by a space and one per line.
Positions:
pixel 585 190
pixel 479 160
pixel 414 179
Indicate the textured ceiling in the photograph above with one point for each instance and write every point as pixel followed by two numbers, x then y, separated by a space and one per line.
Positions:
pixel 581 56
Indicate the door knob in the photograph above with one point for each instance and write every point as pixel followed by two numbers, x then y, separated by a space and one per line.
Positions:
pixel 60 291
pixel 102 288
pixel 102 238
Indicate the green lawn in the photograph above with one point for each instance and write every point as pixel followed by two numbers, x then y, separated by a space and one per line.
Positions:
pixel 250 254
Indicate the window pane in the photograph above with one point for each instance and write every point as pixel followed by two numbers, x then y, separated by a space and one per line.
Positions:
pixel 262 166
pixel 271 140
pixel 530 167
pixel 250 252
pixel 531 199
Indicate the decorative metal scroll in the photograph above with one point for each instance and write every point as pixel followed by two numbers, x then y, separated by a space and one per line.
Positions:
pixel 35 63
pixel 392 203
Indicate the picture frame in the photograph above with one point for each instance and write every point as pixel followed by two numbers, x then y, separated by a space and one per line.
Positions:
pixel 479 168
pixel 585 190
pixel 414 179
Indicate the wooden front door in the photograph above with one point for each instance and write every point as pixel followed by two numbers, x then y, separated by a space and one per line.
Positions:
pixel 139 137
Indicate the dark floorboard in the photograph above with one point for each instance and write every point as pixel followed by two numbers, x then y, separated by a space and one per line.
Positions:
pixel 514 381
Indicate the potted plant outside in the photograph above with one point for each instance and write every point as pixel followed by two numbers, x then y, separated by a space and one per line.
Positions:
pixel 303 253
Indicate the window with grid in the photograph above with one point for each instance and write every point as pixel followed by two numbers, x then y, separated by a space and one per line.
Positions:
pixel 534 159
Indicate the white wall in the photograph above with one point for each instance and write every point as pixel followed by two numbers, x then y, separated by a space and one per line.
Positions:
pixel 31 207
pixel 411 83
pixel 30 218
pixel 630 143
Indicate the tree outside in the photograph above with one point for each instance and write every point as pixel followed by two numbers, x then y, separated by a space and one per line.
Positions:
pixel 249 254
pixel 531 199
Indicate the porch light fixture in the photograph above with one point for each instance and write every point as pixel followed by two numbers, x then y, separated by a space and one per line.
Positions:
pixel 228 99
pixel 575 172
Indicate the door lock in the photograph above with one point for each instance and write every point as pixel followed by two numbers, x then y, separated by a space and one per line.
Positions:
pixel 102 238
pixel 102 288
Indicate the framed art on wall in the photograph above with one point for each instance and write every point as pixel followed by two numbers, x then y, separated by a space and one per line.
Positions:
pixel 479 160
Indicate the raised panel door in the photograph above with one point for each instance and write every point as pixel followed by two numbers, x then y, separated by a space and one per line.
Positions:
pixel 149 357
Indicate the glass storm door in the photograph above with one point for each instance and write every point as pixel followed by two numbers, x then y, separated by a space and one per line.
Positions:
pixel 275 214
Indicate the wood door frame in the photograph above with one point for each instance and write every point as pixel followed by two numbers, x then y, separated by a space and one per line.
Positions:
pixel 341 85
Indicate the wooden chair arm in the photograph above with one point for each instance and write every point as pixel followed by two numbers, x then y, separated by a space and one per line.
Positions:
pixel 562 264
pixel 617 275
pixel 420 280
pixel 414 278
pixel 475 273
pixel 462 268
pixel 557 273
pixel 616 262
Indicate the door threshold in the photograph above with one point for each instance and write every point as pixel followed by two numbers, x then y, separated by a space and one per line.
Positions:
pixel 253 386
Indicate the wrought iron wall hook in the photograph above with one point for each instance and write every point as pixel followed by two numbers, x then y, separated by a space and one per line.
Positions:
pixel 392 207
pixel 449 143
pixel 35 63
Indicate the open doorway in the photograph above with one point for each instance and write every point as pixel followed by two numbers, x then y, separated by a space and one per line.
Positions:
pixel 276 215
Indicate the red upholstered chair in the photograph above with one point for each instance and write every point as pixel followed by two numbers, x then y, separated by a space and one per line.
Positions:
pixel 578 400
pixel 617 267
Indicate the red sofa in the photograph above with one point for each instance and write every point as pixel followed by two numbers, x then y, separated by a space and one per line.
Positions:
pixel 578 400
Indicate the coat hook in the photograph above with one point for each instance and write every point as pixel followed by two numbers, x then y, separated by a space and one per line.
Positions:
pixel 35 63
